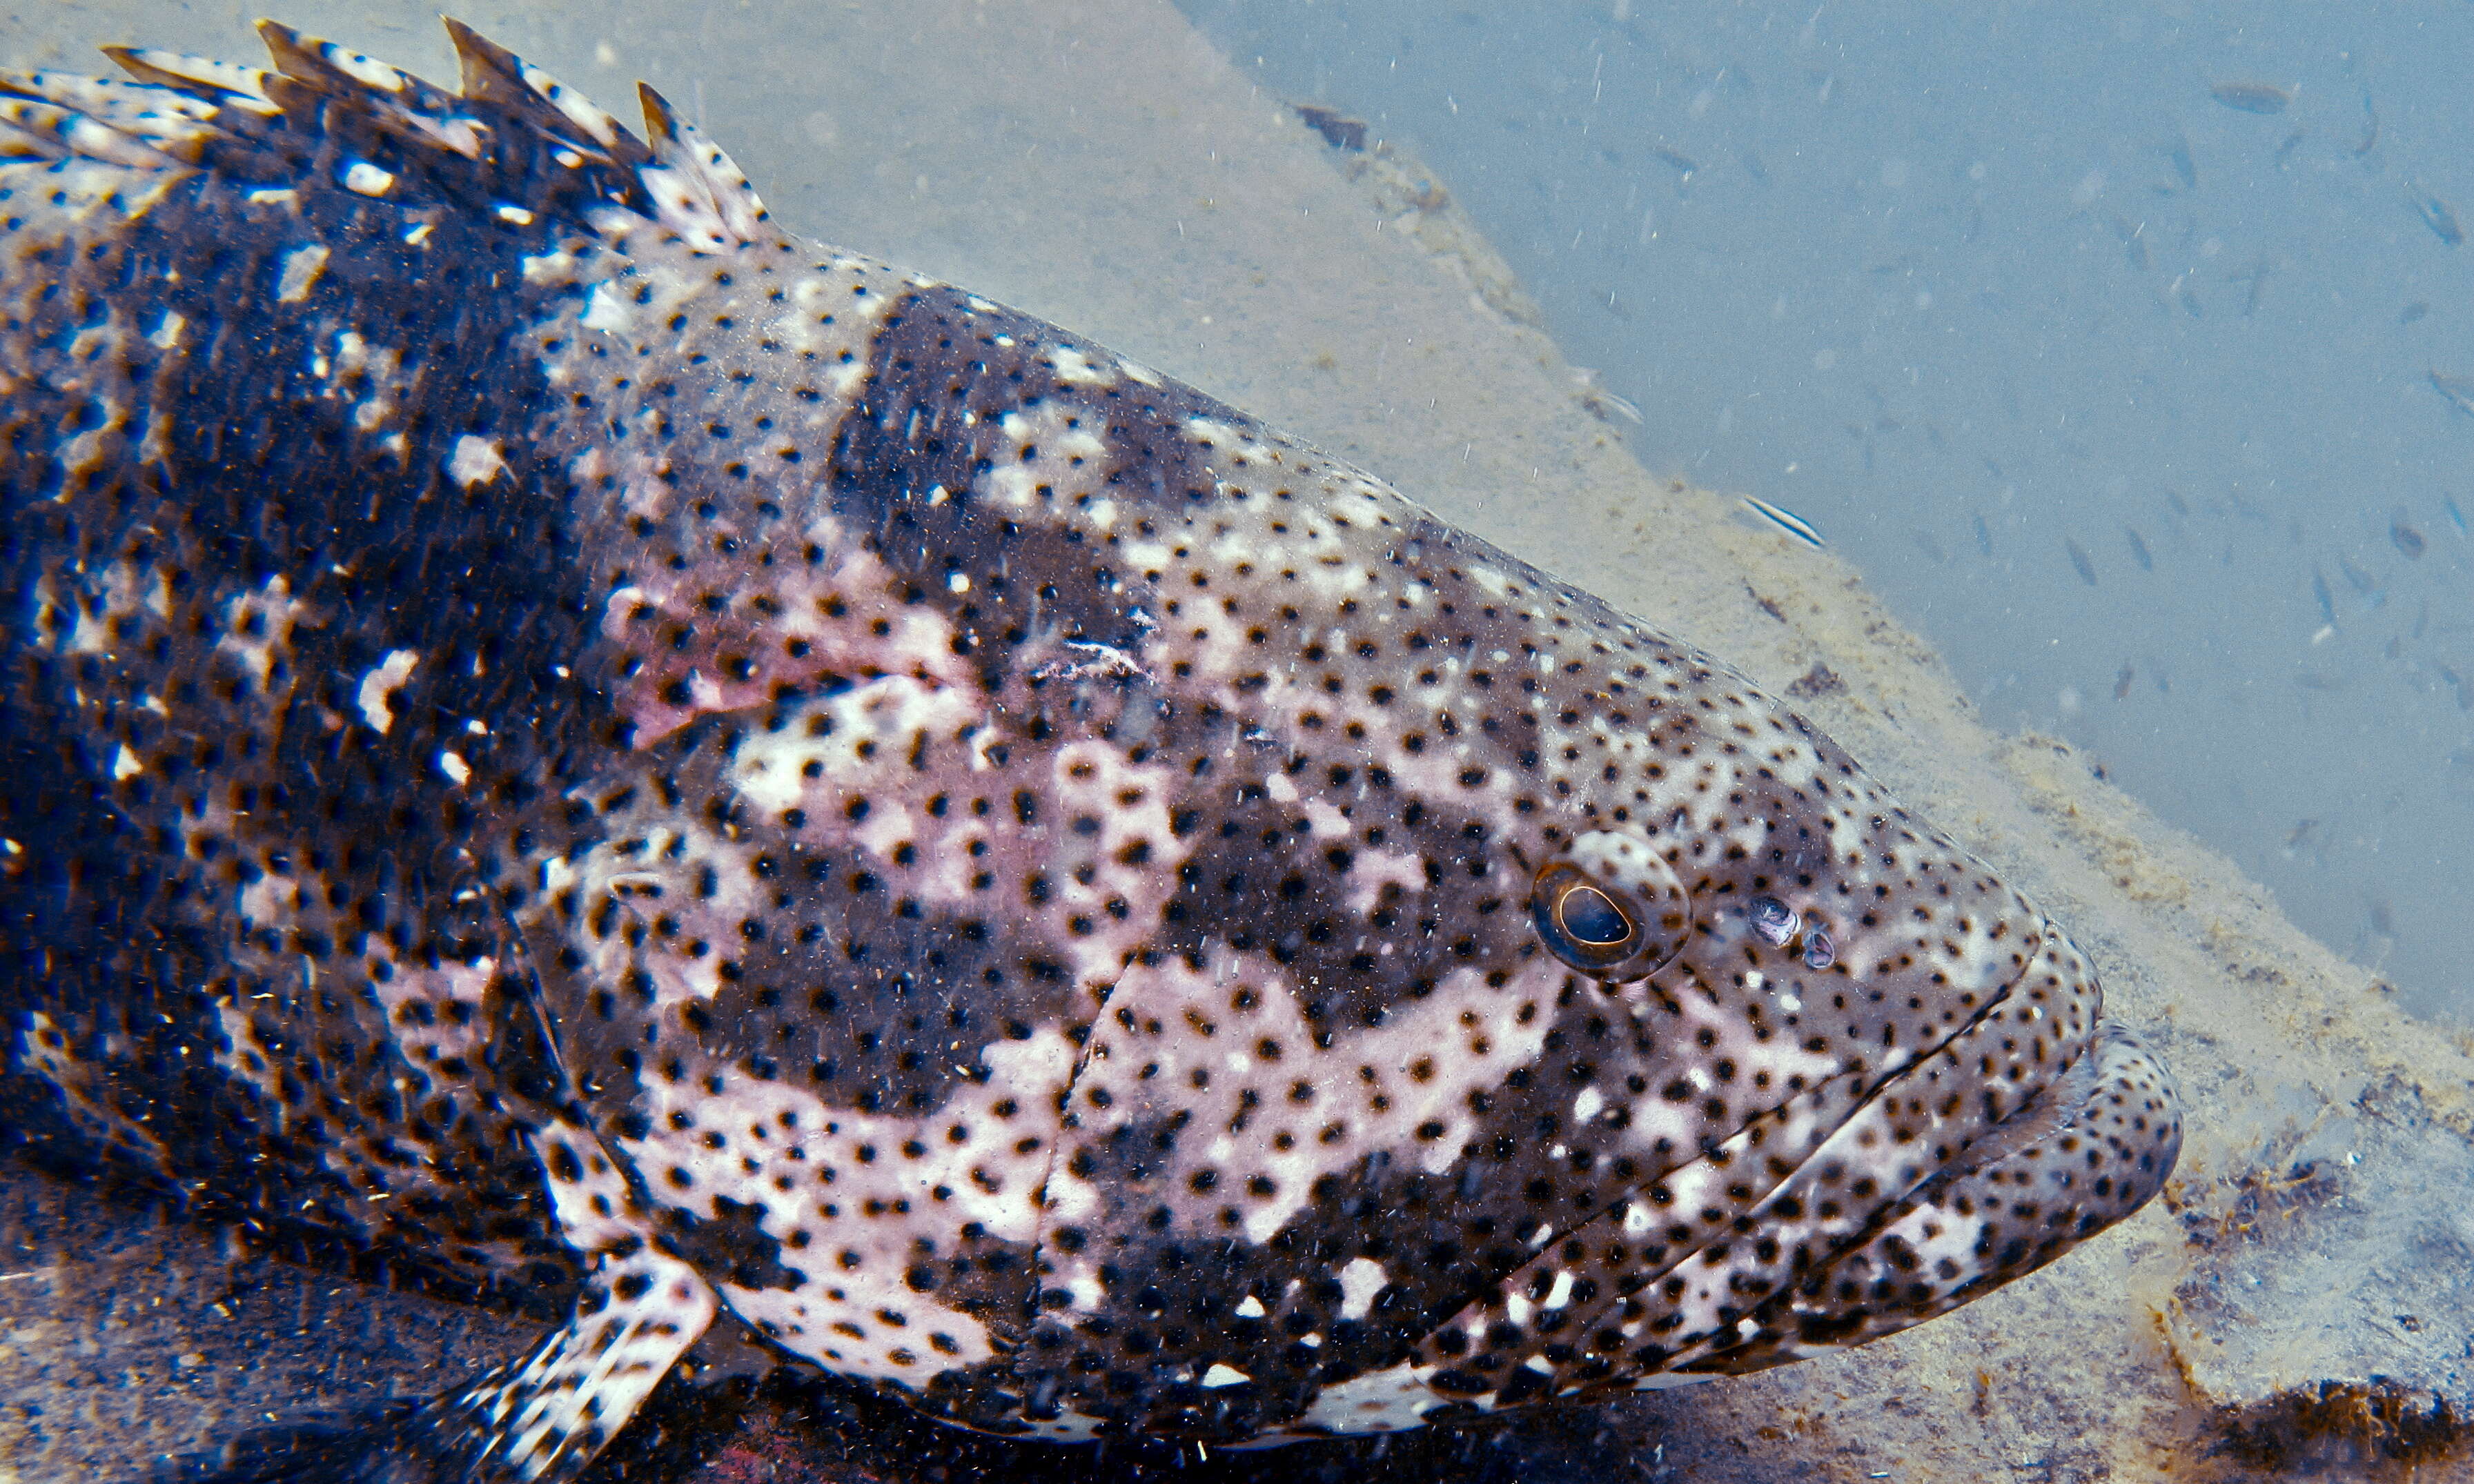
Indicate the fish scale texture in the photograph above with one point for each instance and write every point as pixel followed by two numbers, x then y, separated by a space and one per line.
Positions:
pixel 563 735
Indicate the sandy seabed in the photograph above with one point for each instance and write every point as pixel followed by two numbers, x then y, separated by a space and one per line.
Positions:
pixel 2298 1303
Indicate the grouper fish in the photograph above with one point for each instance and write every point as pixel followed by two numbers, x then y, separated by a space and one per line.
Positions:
pixel 563 737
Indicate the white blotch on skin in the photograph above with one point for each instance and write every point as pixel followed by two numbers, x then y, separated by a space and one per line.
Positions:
pixel 1473 1034
pixel 276 611
pixel 606 311
pixel 1071 459
pixel 477 461
pixel 301 270
pixel 852 1258
pixel 381 684
pixel 550 268
pixel 121 597
pixel 270 901
pixel 1383 1400
pixel 1086 1289
pixel 1075 369
pixel 1359 1283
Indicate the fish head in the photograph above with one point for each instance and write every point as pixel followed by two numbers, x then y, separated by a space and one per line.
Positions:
pixel 1273 967
pixel 1578 1018
pixel 1133 925
pixel 1871 1079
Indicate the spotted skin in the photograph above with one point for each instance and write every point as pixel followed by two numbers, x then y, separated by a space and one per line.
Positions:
pixel 563 735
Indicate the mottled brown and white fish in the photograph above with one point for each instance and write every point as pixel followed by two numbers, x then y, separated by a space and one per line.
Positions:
pixel 557 732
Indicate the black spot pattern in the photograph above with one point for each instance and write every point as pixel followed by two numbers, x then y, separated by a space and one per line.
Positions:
pixel 558 731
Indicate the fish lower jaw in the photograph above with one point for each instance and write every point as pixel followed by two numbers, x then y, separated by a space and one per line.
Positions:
pixel 2093 1148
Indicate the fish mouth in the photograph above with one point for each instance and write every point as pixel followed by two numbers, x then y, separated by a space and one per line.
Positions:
pixel 1972 1165
pixel 1892 1199
pixel 2092 1148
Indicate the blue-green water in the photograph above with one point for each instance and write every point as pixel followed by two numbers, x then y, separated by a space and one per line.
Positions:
pixel 2125 348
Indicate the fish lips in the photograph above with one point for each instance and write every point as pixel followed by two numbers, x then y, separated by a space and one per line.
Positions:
pixel 2092 1148
pixel 2032 1127
pixel 2007 1125
pixel 1889 1199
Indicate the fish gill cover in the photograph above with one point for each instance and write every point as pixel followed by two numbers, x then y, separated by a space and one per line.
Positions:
pixel 561 734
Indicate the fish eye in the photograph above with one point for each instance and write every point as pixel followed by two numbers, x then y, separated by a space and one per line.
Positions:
pixel 1589 917
pixel 1609 905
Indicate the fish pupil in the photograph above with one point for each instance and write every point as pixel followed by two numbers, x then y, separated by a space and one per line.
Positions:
pixel 1587 915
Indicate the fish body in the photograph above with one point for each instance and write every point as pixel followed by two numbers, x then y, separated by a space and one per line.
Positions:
pixel 2250 97
pixel 2436 214
pixel 2080 561
pixel 2184 170
pixel 1786 520
pixel 562 735
pixel 2459 391
pixel 2403 536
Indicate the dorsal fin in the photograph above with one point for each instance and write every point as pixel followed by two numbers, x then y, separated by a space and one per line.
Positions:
pixel 50 116
pixel 492 73
pixel 393 100
pixel 698 191
pixel 199 77
pixel 514 138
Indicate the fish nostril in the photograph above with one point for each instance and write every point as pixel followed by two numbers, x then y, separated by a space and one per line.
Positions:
pixel 1772 920
pixel 1820 949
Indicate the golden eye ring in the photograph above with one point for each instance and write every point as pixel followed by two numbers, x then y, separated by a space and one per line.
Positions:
pixel 1610 905
pixel 1589 916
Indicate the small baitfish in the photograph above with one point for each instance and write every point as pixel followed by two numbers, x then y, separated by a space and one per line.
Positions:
pixel 562 735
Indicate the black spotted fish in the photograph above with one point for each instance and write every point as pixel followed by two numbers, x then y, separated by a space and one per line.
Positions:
pixel 561 735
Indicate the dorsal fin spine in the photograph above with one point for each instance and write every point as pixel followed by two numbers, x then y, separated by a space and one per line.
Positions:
pixel 720 204
pixel 678 178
